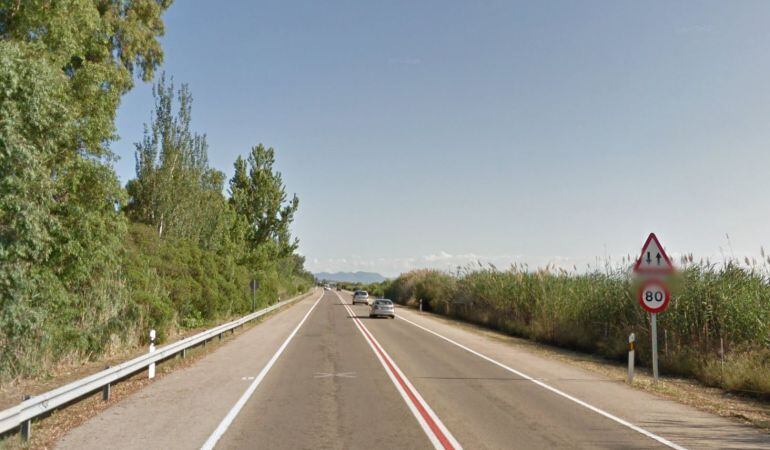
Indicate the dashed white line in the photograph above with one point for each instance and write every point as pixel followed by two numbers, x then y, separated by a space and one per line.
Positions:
pixel 220 430
pixel 614 418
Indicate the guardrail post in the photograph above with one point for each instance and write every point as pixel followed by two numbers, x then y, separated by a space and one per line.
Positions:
pixel 631 348
pixel 26 426
pixel 184 353
pixel 106 389
pixel 151 368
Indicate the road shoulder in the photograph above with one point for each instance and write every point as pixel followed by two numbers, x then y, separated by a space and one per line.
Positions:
pixel 685 424
pixel 181 409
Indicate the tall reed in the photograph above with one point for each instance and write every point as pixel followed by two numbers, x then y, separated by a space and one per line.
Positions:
pixel 712 306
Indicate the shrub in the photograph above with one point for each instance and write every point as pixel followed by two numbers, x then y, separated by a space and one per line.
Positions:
pixel 595 312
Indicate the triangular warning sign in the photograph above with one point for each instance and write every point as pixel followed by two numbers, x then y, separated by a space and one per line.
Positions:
pixel 653 258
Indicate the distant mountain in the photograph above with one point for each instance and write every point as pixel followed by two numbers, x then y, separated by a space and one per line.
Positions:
pixel 351 277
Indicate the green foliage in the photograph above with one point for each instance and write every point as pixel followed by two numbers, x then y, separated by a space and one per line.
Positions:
pixel 377 290
pixel 258 194
pixel 596 312
pixel 78 275
pixel 196 267
pixel 177 284
pixel 175 191
pixel 63 69
pixel 59 231
pixel 95 46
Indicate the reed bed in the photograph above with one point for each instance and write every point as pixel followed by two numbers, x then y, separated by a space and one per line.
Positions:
pixel 716 328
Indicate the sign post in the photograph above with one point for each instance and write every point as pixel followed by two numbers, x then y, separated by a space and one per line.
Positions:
pixel 654 332
pixel 254 286
pixel 631 344
pixel 653 294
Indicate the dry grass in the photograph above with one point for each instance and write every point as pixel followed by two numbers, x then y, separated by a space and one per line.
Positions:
pixel 48 430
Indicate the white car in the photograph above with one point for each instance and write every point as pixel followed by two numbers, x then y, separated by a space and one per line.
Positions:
pixel 361 297
pixel 382 307
pixel 327 287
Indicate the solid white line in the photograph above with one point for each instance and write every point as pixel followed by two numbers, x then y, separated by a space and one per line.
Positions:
pixel 623 422
pixel 373 344
pixel 220 430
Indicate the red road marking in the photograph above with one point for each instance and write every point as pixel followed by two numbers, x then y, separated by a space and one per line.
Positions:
pixel 415 401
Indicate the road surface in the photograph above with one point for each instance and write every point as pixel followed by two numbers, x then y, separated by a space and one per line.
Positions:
pixel 322 374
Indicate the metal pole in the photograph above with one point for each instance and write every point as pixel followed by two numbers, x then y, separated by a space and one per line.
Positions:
pixel 631 350
pixel 26 426
pixel 253 296
pixel 654 324
pixel 106 389
pixel 420 305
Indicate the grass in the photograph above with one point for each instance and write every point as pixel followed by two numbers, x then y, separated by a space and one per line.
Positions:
pixel 713 307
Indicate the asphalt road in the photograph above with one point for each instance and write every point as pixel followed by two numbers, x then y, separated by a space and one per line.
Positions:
pixel 324 375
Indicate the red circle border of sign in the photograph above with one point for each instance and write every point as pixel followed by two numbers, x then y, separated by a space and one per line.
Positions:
pixel 666 299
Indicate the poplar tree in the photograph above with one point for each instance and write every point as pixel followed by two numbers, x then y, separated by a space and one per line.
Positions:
pixel 171 167
pixel 258 194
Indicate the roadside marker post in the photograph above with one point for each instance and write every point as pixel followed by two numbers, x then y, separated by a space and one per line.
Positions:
pixel 631 348
pixel 151 368
pixel 653 263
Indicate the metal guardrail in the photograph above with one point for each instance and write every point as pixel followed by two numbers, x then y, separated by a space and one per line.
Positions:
pixel 38 405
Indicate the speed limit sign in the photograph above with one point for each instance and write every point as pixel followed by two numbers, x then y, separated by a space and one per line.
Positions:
pixel 654 296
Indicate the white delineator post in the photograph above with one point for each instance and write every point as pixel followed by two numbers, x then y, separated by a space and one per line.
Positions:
pixel 151 368
pixel 420 305
pixel 631 345
pixel 654 326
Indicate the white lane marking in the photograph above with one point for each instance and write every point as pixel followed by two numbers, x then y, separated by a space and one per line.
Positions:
pixel 623 422
pixel 332 375
pixel 220 430
pixel 437 433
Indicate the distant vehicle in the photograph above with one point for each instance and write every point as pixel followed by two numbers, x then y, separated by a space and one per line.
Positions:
pixel 382 307
pixel 327 287
pixel 339 288
pixel 361 297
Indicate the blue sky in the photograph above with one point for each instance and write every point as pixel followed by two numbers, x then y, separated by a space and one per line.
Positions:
pixel 431 134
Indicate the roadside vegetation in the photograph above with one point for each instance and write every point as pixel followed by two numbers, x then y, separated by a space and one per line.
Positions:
pixel 712 307
pixel 375 290
pixel 87 266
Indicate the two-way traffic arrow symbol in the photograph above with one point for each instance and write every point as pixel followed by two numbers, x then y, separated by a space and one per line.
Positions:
pixel 660 263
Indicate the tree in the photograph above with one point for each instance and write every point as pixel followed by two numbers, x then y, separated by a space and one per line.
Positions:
pixel 172 170
pixel 258 194
pixel 63 68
